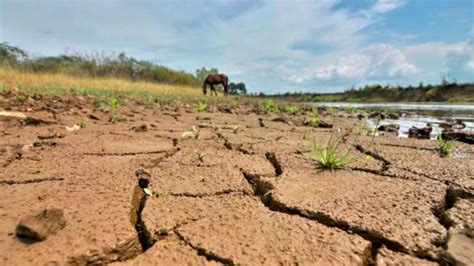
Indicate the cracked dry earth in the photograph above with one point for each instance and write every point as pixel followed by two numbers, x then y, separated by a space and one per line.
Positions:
pixel 255 198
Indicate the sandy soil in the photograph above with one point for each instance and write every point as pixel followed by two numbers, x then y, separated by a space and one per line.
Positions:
pixel 254 197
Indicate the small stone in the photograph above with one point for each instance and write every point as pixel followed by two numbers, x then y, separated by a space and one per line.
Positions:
pixel 37 226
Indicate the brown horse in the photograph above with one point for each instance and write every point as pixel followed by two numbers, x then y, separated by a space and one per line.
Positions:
pixel 215 79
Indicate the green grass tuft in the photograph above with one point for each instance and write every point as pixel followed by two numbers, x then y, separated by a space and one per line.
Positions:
pixel 328 157
pixel 444 146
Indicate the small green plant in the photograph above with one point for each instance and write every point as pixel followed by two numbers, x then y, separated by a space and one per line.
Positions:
pixel 21 98
pixel 291 110
pixel 328 157
pixel 313 117
pixel 201 107
pixel 352 110
pixel 81 123
pixel 269 106
pixel 444 146
pixel 200 155
pixel 113 108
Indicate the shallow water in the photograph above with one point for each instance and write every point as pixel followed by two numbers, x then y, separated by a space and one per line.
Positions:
pixel 416 114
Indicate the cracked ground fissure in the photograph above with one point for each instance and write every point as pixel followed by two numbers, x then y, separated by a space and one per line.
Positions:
pixel 263 187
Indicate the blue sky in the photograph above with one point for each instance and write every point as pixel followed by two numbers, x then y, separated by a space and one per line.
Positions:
pixel 271 45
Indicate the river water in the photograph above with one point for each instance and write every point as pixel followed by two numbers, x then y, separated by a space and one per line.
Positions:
pixel 415 114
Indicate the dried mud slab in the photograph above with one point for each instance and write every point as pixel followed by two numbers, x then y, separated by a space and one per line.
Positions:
pixel 169 251
pixel 461 215
pixel 427 165
pixel 95 197
pixel 391 211
pixel 195 180
pixel 386 257
pixel 251 234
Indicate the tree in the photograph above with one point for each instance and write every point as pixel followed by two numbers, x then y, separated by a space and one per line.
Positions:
pixel 11 54
pixel 237 89
pixel 203 72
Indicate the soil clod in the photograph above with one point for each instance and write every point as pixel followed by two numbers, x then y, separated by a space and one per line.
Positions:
pixel 37 226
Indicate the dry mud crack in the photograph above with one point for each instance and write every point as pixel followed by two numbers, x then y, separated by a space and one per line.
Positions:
pixel 254 198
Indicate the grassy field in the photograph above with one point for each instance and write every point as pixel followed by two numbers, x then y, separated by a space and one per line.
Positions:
pixel 60 83
pixel 105 88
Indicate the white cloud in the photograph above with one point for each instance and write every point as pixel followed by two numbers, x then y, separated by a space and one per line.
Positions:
pixel 384 6
pixel 381 60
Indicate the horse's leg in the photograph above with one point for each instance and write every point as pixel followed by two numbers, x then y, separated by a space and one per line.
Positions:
pixel 225 87
pixel 204 88
pixel 213 90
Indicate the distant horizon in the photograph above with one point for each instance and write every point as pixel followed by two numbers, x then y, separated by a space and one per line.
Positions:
pixel 271 46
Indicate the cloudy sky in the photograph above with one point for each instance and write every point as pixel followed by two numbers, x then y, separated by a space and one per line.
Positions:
pixel 272 46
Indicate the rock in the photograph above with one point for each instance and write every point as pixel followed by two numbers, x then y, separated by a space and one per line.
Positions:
pixel 37 226
pixel 377 115
pixel 361 116
pixel 50 135
pixel 42 143
pixel 93 117
pixel 140 128
pixel 460 247
pixel 462 136
pixel 225 109
pixel 389 128
pixel 452 124
pixel 320 124
pixel 393 116
pixel 282 119
pixel 18 115
pixel 420 133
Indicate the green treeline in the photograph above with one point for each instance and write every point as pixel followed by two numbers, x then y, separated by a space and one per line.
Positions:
pixel 446 91
pixel 95 65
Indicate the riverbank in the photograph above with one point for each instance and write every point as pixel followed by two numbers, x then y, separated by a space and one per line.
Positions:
pixel 449 92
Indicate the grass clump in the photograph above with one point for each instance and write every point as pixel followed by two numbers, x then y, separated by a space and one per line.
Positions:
pixel 444 146
pixel 313 117
pixel 269 106
pixel 291 110
pixel 352 110
pixel 328 157
pixel 113 109
pixel 81 123
pixel 201 107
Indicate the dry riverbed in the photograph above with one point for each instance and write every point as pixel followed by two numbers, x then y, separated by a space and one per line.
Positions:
pixel 243 192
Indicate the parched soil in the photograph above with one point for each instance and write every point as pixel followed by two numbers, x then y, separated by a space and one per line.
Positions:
pixel 244 192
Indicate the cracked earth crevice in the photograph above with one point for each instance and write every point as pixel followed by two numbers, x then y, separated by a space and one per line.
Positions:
pixel 272 158
pixel 263 189
pixel 211 194
pixel 385 163
pixel 129 153
pixel 209 255
pixel 30 181
pixel 139 198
